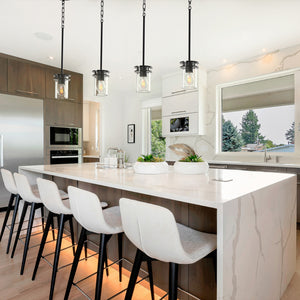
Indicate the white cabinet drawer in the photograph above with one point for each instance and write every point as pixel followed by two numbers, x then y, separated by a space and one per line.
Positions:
pixel 180 104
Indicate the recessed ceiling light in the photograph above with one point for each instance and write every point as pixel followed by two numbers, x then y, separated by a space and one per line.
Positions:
pixel 51 57
pixel 224 61
pixel 43 36
pixel 263 49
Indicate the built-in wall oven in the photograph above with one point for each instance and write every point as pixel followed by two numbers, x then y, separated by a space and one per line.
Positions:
pixel 65 136
pixel 66 156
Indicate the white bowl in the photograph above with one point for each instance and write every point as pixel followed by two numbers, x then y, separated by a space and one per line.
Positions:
pixel 150 167
pixel 191 167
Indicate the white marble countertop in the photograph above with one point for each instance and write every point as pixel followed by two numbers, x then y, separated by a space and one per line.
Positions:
pixel 195 189
pixel 259 164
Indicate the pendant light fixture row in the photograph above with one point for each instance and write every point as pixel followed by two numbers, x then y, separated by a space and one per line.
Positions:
pixel 190 67
pixel 62 80
pixel 143 72
pixel 101 76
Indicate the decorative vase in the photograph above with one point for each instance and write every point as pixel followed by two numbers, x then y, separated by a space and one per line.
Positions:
pixel 191 167
pixel 150 167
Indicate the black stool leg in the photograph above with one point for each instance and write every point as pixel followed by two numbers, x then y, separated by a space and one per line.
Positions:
pixel 43 217
pixel 57 252
pixel 42 245
pixel 9 207
pixel 106 262
pixel 28 235
pixel 13 222
pixel 19 228
pixel 72 233
pixel 52 225
pixel 85 246
pixel 75 262
pixel 149 264
pixel 134 274
pixel 120 250
pixel 101 259
pixel 173 281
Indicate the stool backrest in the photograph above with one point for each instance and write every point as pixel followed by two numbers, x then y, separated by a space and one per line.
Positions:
pixel 50 196
pixel 86 209
pixel 24 189
pixel 9 181
pixel 152 229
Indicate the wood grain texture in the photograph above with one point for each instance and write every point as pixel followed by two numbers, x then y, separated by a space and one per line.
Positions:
pixel 3 74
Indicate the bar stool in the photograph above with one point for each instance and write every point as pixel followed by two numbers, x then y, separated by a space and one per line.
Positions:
pixel 30 197
pixel 155 233
pixel 10 186
pixel 87 210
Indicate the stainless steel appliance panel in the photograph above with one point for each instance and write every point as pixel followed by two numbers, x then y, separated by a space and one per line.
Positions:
pixel 21 135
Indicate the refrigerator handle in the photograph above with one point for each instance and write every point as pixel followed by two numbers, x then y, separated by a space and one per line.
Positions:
pixel 1 150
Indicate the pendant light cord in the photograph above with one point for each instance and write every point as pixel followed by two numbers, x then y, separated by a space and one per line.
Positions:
pixel 62 36
pixel 144 30
pixel 190 22
pixel 101 30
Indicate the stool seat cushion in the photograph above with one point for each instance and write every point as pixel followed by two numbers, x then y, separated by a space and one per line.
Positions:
pixel 195 243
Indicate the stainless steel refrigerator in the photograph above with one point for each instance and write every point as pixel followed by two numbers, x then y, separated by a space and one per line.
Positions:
pixel 21 135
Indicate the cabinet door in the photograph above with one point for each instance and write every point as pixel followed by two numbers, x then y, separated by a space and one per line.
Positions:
pixel 75 85
pixel 63 113
pixel 3 74
pixel 172 85
pixel 25 79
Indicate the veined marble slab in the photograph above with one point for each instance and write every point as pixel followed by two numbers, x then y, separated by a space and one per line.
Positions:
pixel 256 219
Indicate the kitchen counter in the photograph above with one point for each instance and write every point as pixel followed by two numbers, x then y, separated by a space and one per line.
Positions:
pixel 253 215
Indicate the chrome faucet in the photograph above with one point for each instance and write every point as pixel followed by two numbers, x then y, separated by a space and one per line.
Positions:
pixel 266 157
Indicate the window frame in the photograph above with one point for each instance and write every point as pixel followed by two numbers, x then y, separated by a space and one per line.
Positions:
pixel 218 141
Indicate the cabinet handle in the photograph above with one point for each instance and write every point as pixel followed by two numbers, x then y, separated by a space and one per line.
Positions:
pixel 218 167
pixel 27 92
pixel 178 112
pixel 71 99
pixel 176 92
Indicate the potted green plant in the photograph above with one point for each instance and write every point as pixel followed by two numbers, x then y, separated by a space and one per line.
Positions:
pixel 192 164
pixel 150 164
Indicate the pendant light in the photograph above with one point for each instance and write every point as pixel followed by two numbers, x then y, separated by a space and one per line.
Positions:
pixel 62 80
pixel 143 72
pixel 101 76
pixel 190 67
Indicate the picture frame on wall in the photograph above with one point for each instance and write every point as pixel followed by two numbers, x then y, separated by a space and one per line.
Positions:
pixel 131 133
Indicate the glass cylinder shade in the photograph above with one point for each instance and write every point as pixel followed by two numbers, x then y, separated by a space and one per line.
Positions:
pixel 62 86
pixel 190 74
pixel 101 82
pixel 143 79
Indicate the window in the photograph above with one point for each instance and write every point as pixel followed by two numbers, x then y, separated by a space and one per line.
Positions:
pixel 158 143
pixel 258 114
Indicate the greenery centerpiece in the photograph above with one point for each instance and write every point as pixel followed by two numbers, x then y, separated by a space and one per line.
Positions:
pixel 192 164
pixel 150 164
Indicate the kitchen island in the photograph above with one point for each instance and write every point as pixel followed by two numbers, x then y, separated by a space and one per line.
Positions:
pixel 252 213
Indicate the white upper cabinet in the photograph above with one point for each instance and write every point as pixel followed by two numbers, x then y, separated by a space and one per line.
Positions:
pixel 183 111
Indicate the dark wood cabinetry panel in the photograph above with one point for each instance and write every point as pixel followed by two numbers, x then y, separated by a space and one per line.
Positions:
pixel 3 74
pixel 75 85
pixel 90 159
pixel 64 113
pixel 26 79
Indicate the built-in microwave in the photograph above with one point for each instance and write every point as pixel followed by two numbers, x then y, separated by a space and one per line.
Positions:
pixel 68 136
pixel 180 124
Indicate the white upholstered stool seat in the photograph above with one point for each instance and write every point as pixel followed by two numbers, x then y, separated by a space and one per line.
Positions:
pixel 87 210
pixel 154 231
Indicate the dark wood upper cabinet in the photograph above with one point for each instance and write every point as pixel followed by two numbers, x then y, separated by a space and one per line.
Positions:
pixel 3 74
pixel 26 79
pixel 75 85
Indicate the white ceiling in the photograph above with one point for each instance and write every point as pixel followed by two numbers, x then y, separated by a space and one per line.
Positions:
pixel 222 29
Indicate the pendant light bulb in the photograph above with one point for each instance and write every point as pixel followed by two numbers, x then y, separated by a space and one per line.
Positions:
pixel 101 76
pixel 61 80
pixel 143 72
pixel 189 67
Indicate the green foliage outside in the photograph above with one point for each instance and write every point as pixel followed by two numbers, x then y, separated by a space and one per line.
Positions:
pixel 192 158
pixel 290 134
pixel 250 128
pixel 158 143
pixel 232 140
